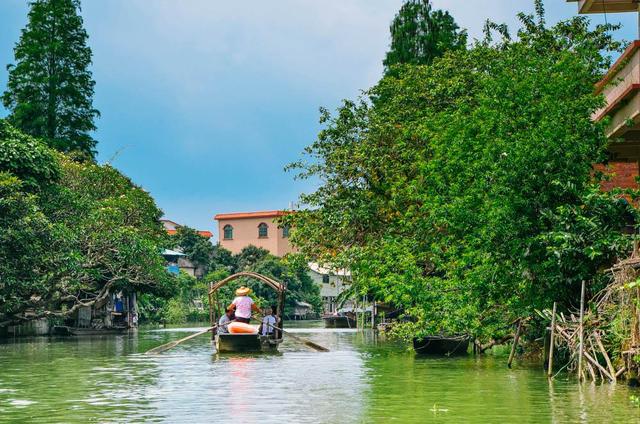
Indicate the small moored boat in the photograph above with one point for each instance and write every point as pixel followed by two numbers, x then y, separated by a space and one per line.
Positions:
pixel 338 321
pixel 439 345
pixel 63 330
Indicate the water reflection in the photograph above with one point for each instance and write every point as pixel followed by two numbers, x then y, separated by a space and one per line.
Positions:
pixel 364 378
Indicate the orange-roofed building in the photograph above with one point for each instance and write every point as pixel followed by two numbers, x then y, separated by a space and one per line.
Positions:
pixel 172 227
pixel 260 229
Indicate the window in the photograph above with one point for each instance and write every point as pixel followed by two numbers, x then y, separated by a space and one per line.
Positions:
pixel 285 231
pixel 325 279
pixel 263 230
pixel 228 232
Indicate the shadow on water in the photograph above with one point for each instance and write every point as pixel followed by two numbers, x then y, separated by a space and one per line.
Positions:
pixel 364 378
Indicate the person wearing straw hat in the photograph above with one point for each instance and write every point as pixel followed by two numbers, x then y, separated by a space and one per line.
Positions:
pixel 243 305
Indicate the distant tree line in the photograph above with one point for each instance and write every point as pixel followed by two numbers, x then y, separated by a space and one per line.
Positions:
pixel 189 301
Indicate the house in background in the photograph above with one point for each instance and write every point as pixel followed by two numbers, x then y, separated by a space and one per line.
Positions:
pixel 178 261
pixel 172 227
pixel 239 230
pixel 303 310
pixel 331 283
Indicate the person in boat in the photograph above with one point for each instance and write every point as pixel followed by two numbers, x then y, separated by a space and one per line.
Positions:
pixel 242 305
pixel 269 321
pixel 224 320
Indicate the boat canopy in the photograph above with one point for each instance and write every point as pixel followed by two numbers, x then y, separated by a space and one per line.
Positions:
pixel 277 286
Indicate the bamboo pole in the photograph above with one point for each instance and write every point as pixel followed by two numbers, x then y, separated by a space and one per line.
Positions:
pixel 373 315
pixel 581 351
pixel 595 355
pixel 600 367
pixel 515 343
pixel 591 371
pixel 551 342
pixel 364 313
pixel 612 370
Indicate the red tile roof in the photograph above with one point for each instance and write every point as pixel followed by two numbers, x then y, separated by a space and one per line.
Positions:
pixel 207 234
pixel 244 215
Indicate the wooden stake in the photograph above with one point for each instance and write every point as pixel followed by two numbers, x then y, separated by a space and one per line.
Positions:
pixel 591 371
pixel 597 365
pixel 581 352
pixel 373 315
pixel 612 370
pixel 552 341
pixel 515 343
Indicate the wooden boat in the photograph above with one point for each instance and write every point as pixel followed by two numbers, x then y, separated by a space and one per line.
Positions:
pixel 240 343
pixel 246 343
pixel 338 321
pixel 439 345
pixel 61 330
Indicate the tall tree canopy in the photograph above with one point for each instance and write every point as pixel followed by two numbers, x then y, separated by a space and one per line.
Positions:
pixel 71 232
pixel 50 87
pixel 420 34
pixel 464 190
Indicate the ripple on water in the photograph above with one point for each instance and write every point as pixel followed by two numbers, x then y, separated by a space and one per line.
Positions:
pixel 21 403
pixel 362 379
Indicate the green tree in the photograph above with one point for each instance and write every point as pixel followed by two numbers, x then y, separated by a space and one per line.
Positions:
pixel 420 34
pixel 50 87
pixel 27 158
pixel 222 259
pixel 73 234
pixel 197 248
pixel 29 265
pixel 464 190
pixel 249 256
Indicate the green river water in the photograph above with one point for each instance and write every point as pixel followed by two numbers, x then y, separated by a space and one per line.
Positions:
pixel 364 379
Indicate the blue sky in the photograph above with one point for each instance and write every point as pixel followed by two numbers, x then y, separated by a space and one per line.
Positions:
pixel 205 101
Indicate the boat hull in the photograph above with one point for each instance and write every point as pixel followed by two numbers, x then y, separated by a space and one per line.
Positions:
pixel 79 331
pixel 443 346
pixel 339 322
pixel 245 343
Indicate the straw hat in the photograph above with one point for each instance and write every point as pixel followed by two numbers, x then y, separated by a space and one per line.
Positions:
pixel 243 291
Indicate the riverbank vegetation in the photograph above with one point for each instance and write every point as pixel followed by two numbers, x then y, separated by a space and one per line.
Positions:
pixel 71 231
pixel 463 189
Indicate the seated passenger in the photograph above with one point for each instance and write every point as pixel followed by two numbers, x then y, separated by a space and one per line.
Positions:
pixel 224 320
pixel 269 321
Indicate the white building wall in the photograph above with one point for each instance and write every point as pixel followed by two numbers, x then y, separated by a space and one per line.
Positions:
pixel 329 290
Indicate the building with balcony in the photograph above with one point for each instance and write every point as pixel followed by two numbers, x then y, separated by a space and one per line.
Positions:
pixel 605 6
pixel 261 229
pixel 620 87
